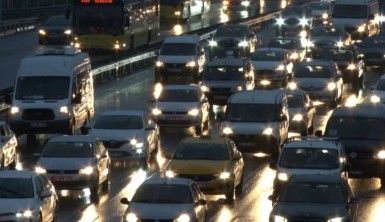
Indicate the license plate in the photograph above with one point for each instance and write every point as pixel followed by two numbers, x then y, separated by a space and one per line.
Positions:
pixel 174 117
pixel 356 172
pixel 174 70
pixel 246 144
pixel 38 125
pixel 60 178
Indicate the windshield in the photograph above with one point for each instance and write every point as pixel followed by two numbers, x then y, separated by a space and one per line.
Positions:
pixel 178 95
pixel 178 49
pixel 224 73
pixel 119 122
pixel 42 87
pixel 350 11
pixel 334 54
pixel 238 112
pixel 319 6
pixel 356 128
pixel 98 19
pixel 68 150
pixel 295 100
pixel 201 151
pixel 163 194
pixel 381 85
pixel 309 158
pixel 284 43
pixel 321 193
pixel 231 31
pixel 58 21
pixel 294 11
pixel 313 71
pixel 263 55
pixel 13 188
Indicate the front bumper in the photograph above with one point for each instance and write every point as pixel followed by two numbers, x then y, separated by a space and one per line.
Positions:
pixel 55 39
pixel 183 120
pixel 210 184
pixel 53 126
pixel 256 143
pixel 72 181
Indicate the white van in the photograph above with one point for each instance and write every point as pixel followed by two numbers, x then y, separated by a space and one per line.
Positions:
pixel 53 93
pixel 359 17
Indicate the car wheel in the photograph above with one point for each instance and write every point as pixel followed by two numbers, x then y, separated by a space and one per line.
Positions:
pixel 95 196
pixel 230 196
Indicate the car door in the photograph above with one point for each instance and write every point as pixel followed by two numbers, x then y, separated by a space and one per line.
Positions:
pixel 51 202
pixel 200 209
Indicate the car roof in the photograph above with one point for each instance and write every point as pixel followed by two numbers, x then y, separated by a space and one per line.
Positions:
pixel 227 61
pixel 362 110
pixel 182 39
pixel 182 87
pixel 25 174
pixel 205 139
pixel 157 179
pixel 73 138
pixel 122 112
pixel 316 178
pixel 312 143
pixel 273 96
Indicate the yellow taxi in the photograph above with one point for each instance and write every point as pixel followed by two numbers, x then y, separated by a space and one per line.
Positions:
pixel 214 163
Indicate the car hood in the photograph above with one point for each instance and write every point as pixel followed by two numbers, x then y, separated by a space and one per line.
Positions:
pixel 249 128
pixel 56 27
pixel 312 82
pixel 159 211
pixel 176 59
pixel 198 166
pixel 65 163
pixel 266 65
pixel 309 210
pixel 348 22
pixel 118 135
pixel 223 83
pixel 177 106
pixel 17 205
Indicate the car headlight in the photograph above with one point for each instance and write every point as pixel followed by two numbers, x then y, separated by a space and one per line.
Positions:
pixel 361 28
pixel 294 56
pixel 292 85
pixel 340 44
pixel 224 175
pixel 25 214
pixel 304 21
pixel 88 170
pixel 159 64
pixel 239 88
pixel 191 64
pixel 298 117
pixel 282 177
pixel 280 68
pixel 193 112
pixel 170 174
pixel 156 112
pixel 213 43
pixel 183 218
pixel 351 67
pixel 14 109
pixel 245 3
pixel 375 99
pixel 303 34
pixel 265 82
pixel 243 44
pixel 325 15
pixel 135 143
pixel 42 32
pixel 64 109
pixel 205 88
pixel 131 217
pixel 40 170
pixel 381 154
pixel 331 86
pixel 227 131
pixel 280 21
pixel 268 131
pixel 68 32
pixel 336 219
pixel 177 13
pixel 278 218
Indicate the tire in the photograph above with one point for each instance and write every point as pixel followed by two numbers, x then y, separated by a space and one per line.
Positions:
pixel 95 196
pixel 230 196
pixel 198 130
pixel 2 164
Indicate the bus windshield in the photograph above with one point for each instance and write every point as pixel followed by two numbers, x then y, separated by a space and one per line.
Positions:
pixel 98 19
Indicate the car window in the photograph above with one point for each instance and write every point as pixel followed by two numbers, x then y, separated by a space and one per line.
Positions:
pixel 119 122
pixel 309 158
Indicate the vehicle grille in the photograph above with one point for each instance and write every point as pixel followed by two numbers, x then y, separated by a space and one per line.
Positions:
pixel 292 21
pixel 228 43
pixel 113 144
pixel 264 72
pixel 306 220
pixel 200 177
pixel 175 65
pixel 373 55
pixel 153 220
pixel 174 113
pixel 62 171
pixel 55 31
pixel 220 89
pixel 312 88
pixel 38 114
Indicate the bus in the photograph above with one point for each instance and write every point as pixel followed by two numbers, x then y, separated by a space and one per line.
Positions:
pixel 114 24
pixel 182 10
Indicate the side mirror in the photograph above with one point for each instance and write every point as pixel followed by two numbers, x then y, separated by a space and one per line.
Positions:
pixel 273 165
pixel 271 198
pixel 77 98
pixel 318 133
pixel 237 156
pixel 202 202
pixel 371 17
pixel 124 200
pixel 45 194
pixel 283 118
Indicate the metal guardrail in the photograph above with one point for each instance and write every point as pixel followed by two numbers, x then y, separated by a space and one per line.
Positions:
pixel 9 27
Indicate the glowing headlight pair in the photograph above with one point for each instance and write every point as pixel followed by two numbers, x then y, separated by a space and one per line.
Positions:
pixel 331 86
pixel 298 117
pixel 243 44
pixel 25 214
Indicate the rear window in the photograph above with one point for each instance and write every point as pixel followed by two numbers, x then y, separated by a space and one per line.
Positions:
pixel 178 95
pixel 309 158
pixel 68 150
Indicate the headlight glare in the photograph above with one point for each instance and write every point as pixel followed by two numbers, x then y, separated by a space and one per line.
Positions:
pixel 193 112
pixel 224 175
pixel 281 68
pixel 191 64
pixel 351 67
pixel 381 154
pixel 205 88
pixel 156 112
pixel 227 131
pixel 278 218
pixel 280 21
pixel 159 64
pixel 25 214
pixel 86 170
pixel 336 219
pixel 131 217
pixel 40 170
pixel 64 109
pixel 294 56
pixel 68 32
pixel 292 85
pixel 361 28
pixel 42 32
pixel 325 15
pixel 331 86
pixel 213 43
pixel 183 218
pixel 243 44
pixel 375 99
pixel 170 174
pixel 282 176
pixel 14 109
pixel 298 117
pixel 265 82
pixel 268 131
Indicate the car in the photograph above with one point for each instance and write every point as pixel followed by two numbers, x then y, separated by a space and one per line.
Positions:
pixel 320 35
pixel 320 11
pixel 372 51
pixel 235 38
pixel 166 199
pixel 230 6
pixel 315 198
pixel 181 57
pixel 181 105
pixel 294 21
pixel 27 196
pixel 348 62
pixel 76 163
pixel 272 67
pixel 127 135
pixel 309 155
pixel 214 163
pixel 222 77
pixel 301 111
pixel 8 147
pixel 56 30
pixel 378 93
pixel 257 121
pixel 320 79
pixel 361 131
pixel 293 45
